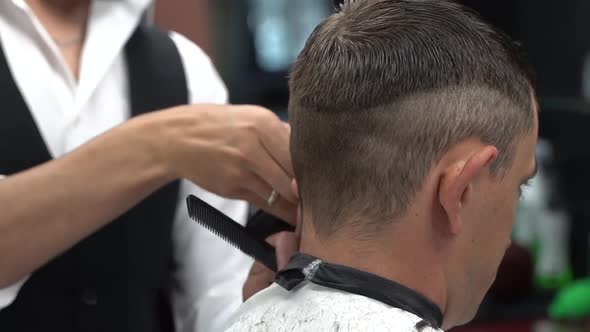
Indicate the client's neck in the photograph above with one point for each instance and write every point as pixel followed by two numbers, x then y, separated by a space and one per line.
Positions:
pixel 402 260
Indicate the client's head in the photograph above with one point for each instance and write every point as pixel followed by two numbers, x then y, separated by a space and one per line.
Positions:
pixel 413 130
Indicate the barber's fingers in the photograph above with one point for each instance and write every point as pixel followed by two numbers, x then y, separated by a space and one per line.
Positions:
pixel 259 278
pixel 267 151
pixel 258 192
pixel 281 209
pixel 275 136
pixel 267 168
pixel 286 245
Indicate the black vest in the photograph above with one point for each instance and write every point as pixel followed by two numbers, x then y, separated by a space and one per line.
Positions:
pixel 118 278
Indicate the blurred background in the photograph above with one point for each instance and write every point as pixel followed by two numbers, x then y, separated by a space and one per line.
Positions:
pixel 543 284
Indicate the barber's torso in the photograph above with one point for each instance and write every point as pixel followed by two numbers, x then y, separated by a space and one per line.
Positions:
pixel 118 278
pixel 130 260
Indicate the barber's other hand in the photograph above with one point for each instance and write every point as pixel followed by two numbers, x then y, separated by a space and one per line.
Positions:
pixel 239 152
pixel 286 245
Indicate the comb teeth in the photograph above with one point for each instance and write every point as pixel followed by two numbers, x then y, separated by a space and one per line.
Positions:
pixel 230 231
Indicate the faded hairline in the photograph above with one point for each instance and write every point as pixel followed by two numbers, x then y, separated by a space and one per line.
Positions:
pixel 383 89
pixel 420 128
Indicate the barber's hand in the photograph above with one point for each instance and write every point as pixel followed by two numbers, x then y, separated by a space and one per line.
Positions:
pixel 260 277
pixel 239 152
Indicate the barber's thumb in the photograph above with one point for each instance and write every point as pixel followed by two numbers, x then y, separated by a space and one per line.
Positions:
pixel 259 269
pixel 286 245
pixel 259 278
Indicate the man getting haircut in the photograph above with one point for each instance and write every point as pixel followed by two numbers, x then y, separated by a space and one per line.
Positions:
pixel 414 126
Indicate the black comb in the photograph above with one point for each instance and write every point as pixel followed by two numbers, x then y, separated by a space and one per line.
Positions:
pixel 262 225
pixel 231 231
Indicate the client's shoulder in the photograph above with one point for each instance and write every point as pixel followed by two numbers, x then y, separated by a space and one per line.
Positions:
pixel 310 307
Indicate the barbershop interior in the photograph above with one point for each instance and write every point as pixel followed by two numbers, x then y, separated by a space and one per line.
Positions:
pixel 543 280
pixel 543 284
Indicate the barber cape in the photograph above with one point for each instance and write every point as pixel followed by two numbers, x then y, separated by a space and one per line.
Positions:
pixel 312 295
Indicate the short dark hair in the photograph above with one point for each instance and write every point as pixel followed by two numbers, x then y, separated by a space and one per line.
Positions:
pixel 383 88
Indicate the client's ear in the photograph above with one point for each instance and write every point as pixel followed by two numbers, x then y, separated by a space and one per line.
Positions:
pixel 457 182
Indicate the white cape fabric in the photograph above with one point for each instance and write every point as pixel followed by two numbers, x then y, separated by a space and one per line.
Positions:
pixel 313 308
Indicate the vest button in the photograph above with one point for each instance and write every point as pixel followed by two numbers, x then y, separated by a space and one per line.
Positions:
pixel 89 297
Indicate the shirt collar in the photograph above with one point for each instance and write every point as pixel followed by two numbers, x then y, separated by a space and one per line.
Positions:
pixel 110 25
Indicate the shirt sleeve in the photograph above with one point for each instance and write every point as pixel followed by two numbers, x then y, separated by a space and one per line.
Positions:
pixel 210 273
pixel 8 294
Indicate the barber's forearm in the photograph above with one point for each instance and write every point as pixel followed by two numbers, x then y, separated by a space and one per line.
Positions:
pixel 47 209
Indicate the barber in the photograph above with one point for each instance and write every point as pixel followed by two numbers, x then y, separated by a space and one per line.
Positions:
pixel 106 125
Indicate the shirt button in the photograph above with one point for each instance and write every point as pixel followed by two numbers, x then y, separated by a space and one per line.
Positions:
pixel 89 297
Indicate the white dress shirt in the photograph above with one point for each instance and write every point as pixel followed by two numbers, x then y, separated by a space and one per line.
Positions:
pixel 68 113
pixel 312 308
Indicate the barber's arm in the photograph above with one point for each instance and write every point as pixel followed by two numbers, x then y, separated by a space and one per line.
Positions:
pixel 8 294
pixel 209 272
pixel 47 209
pixel 239 152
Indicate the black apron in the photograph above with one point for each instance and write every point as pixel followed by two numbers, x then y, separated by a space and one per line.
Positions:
pixel 117 279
